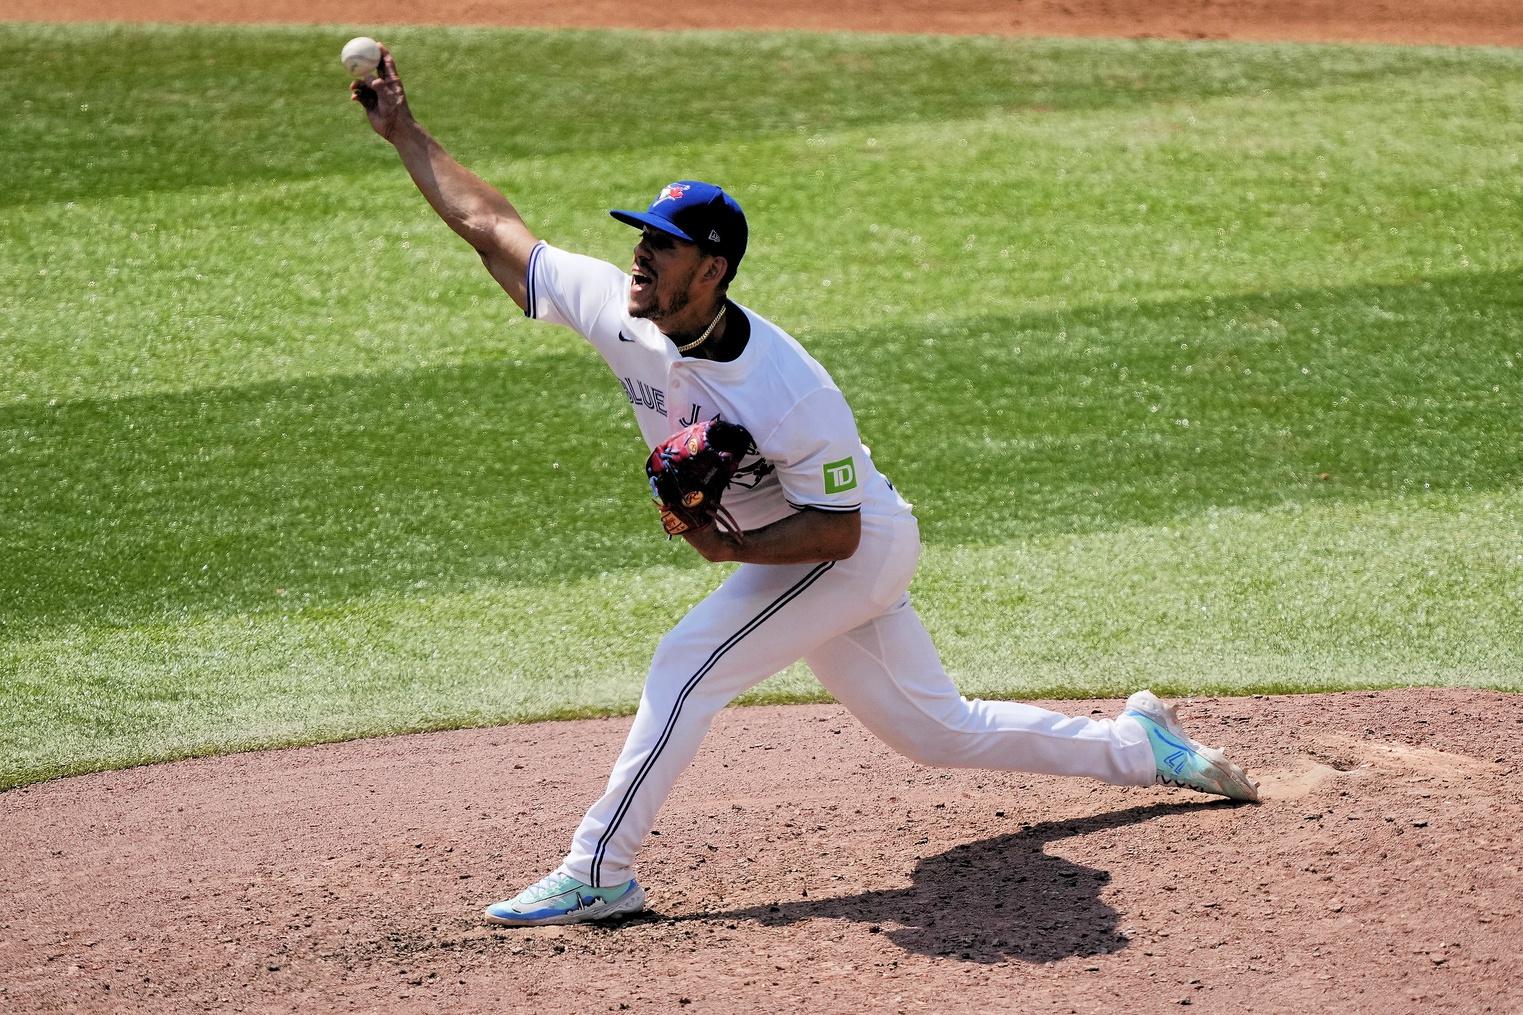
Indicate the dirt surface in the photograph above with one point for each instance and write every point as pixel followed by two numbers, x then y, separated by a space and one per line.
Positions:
pixel 1436 22
pixel 1443 22
pixel 800 866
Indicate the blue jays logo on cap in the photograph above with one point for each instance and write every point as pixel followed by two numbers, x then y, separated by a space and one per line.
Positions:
pixel 672 192
pixel 699 213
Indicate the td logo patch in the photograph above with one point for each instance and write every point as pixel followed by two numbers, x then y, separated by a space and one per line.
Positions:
pixel 840 476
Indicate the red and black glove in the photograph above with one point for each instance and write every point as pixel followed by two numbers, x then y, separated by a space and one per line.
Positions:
pixel 690 470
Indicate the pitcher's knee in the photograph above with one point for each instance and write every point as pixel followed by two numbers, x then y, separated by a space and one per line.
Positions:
pixel 931 755
pixel 938 743
pixel 677 672
pixel 922 750
pixel 677 653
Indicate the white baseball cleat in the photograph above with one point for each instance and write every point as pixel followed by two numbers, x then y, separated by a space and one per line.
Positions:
pixel 1181 761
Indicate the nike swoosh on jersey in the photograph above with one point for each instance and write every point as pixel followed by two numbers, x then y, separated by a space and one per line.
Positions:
pixel 623 338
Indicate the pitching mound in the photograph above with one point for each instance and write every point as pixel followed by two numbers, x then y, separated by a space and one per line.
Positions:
pixel 800 866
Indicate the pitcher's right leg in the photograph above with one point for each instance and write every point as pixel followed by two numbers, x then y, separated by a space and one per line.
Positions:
pixel 888 674
pixel 758 621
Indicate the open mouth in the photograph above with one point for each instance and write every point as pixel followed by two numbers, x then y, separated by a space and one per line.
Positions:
pixel 640 280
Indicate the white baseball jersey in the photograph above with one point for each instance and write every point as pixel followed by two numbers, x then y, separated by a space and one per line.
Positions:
pixel 794 411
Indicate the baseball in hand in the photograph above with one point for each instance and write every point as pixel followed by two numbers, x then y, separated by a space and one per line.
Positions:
pixel 361 57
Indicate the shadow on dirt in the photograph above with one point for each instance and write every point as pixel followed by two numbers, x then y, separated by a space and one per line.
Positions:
pixel 991 901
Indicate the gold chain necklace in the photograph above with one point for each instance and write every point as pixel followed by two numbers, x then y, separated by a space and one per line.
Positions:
pixel 695 343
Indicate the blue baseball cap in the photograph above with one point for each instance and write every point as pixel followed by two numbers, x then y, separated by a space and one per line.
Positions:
pixel 698 212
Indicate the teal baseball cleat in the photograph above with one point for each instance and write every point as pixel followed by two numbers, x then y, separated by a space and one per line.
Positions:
pixel 561 898
pixel 1182 761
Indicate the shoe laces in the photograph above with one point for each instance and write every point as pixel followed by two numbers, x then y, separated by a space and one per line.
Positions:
pixel 551 884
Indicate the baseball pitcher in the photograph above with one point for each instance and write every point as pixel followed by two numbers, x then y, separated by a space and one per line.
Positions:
pixel 747 429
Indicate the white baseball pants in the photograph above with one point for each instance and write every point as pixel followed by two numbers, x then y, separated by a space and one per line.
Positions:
pixel 852 622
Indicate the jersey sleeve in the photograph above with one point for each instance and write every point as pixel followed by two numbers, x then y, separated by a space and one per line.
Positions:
pixel 570 289
pixel 818 454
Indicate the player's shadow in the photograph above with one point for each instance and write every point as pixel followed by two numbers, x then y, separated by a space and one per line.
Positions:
pixel 990 901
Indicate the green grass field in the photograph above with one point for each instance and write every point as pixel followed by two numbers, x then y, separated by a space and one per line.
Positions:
pixel 1201 363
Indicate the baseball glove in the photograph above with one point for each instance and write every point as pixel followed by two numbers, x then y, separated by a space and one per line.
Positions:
pixel 690 470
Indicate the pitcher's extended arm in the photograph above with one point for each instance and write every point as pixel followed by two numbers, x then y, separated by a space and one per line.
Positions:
pixel 467 204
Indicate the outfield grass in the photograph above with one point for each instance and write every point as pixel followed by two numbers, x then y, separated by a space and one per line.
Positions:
pixel 1201 363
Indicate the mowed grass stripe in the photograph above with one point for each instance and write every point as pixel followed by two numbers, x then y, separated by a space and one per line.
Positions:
pixel 133 510
pixel 115 109
pixel 178 290
pixel 1324 597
